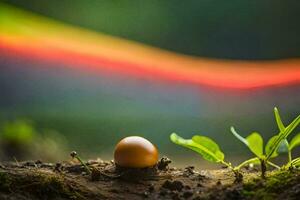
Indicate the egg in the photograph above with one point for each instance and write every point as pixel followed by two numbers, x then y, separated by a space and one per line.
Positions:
pixel 135 152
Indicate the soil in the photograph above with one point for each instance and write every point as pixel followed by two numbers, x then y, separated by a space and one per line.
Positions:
pixel 38 180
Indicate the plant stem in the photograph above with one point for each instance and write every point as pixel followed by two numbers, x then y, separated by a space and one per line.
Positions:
pixel 252 160
pixel 273 165
pixel 237 174
pixel 263 168
pixel 296 160
pixel 290 155
pixel 85 166
pixel 292 163
pixel 227 164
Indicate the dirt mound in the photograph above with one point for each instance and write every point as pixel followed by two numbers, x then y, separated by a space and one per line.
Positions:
pixel 38 180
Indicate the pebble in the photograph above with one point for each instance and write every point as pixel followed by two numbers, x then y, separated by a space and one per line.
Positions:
pixel 38 162
pixel 45 165
pixel 187 194
pixel 145 194
pixel 163 163
pixel 151 188
pixel 199 185
pixel 30 164
pixel 173 185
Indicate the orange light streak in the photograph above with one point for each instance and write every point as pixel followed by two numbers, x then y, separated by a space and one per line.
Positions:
pixel 36 37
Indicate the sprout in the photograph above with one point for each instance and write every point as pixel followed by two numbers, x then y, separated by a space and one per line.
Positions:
pixel 210 150
pixel 73 154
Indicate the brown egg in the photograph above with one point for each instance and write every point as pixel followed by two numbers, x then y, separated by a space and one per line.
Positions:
pixel 135 152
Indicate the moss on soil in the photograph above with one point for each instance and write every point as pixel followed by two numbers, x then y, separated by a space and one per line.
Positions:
pixel 285 184
pixel 38 184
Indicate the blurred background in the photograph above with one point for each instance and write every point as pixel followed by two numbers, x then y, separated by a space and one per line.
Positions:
pixel 81 75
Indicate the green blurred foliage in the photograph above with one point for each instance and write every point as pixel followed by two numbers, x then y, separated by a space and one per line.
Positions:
pixel 18 132
pixel 49 145
pixel 21 140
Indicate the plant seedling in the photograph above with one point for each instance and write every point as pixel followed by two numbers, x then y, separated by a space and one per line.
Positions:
pixel 255 143
pixel 285 146
pixel 290 146
pixel 73 154
pixel 207 148
pixel 210 150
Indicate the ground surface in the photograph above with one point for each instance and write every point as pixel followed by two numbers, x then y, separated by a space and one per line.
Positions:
pixel 38 180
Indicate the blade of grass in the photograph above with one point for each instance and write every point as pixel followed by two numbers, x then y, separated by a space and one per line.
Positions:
pixel 278 120
pixel 283 135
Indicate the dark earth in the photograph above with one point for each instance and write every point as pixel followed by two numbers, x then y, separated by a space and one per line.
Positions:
pixel 70 180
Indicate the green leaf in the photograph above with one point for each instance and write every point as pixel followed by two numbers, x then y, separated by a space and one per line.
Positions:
pixel 278 120
pixel 254 142
pixel 273 146
pixel 206 147
pixel 206 141
pixel 283 146
pixel 268 147
pixel 295 141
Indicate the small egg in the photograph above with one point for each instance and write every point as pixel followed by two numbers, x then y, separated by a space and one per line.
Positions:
pixel 135 152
